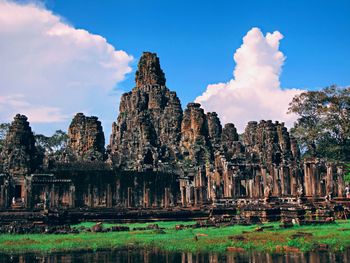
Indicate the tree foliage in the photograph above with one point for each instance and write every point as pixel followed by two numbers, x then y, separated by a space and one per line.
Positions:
pixel 4 128
pixel 347 174
pixel 51 144
pixel 323 126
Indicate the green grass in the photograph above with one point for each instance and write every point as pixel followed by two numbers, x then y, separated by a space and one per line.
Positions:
pixel 336 236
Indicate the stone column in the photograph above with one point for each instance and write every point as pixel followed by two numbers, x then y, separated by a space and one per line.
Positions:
pixel 166 197
pixel 307 179
pixel 91 195
pixel 195 196
pixel 72 196
pixel 146 197
pixel 109 198
pixel 52 196
pixel 341 182
pixel 249 187
pixel 28 197
pixel 227 182
pixel 201 195
pixel 2 196
pixel 129 200
pixel 282 181
pixel 117 193
pixel 317 180
pixel 293 181
pixel 191 196
pixel 276 181
pixel 257 183
pixel 329 179
pixel 264 179
pixel 286 180
pixel 183 196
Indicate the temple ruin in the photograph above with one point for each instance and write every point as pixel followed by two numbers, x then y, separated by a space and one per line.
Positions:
pixel 163 157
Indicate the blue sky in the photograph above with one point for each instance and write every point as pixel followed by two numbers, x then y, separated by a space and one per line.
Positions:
pixel 195 40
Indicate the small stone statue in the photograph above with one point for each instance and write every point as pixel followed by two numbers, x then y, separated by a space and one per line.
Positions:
pixel 300 193
pixel 347 191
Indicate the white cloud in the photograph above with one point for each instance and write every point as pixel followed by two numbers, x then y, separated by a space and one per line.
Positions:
pixel 254 93
pixel 50 70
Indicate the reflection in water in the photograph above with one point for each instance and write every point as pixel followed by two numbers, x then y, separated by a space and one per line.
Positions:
pixel 154 256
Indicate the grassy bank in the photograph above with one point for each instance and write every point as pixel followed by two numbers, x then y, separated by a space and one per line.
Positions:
pixel 335 237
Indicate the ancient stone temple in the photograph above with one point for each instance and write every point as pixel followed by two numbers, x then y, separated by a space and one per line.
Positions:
pixel 160 156
pixel 147 133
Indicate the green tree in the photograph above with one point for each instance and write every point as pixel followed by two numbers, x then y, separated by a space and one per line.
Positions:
pixel 52 144
pixel 4 128
pixel 347 174
pixel 323 126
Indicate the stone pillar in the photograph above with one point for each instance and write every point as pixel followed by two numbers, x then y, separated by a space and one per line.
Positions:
pixel 166 197
pixel 28 197
pixel 264 178
pixel 201 195
pixel 117 193
pixel 109 197
pixel 183 196
pixel 227 182
pixel 307 179
pixel 341 182
pixel 90 196
pixel 257 184
pixel 293 181
pixel 191 195
pixel 72 196
pixel 250 183
pixel 146 198
pixel 234 187
pixel 276 181
pixel 317 180
pixel 329 179
pixel 52 196
pixel 2 196
pixel 282 181
pixel 195 196
pixel 286 181
pixel 129 200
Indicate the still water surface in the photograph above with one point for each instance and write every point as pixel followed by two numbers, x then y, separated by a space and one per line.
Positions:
pixel 154 256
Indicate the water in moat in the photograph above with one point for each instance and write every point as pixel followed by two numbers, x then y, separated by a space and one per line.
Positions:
pixel 154 256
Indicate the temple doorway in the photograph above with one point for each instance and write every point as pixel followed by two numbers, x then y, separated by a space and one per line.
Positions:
pixel 18 191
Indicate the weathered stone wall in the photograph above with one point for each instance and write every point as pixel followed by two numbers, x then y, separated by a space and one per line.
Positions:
pixel 195 139
pixel 86 139
pixel 103 189
pixel 323 179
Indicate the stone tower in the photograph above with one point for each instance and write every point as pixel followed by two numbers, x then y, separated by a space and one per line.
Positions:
pixel 86 138
pixel 147 132
pixel 19 152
